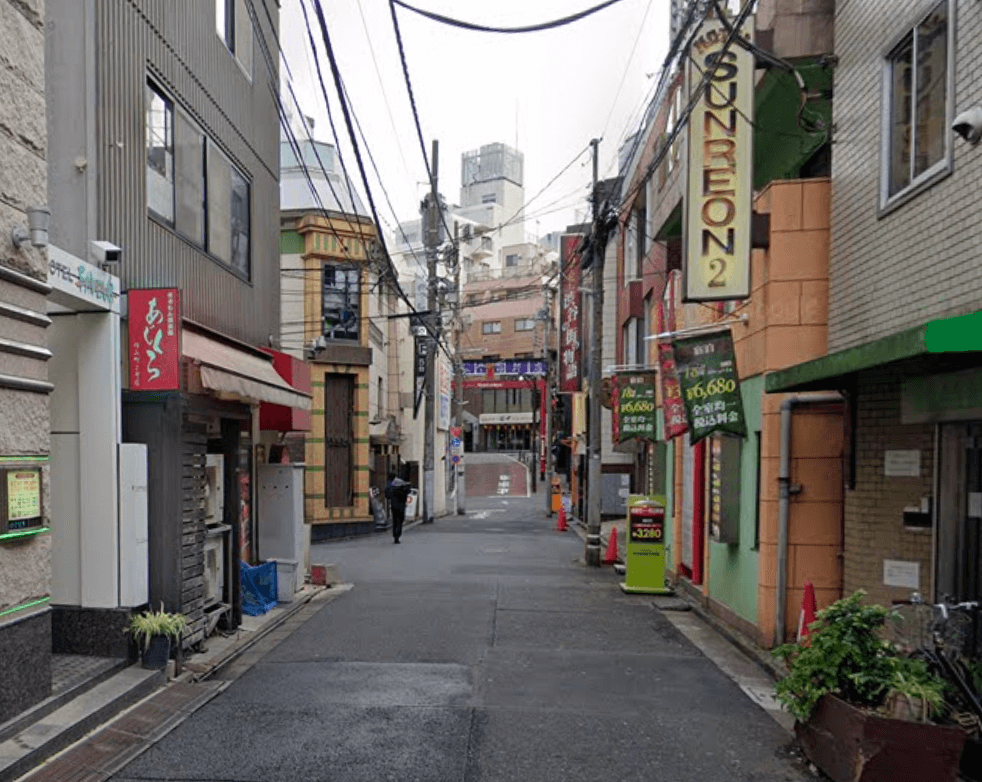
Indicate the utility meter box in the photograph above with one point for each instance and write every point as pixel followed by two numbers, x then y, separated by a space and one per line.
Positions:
pixel 645 558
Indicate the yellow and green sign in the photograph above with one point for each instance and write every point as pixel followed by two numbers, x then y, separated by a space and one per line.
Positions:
pixel 645 558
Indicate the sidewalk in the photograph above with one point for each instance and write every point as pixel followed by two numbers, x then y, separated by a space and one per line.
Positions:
pixel 101 730
pixel 753 669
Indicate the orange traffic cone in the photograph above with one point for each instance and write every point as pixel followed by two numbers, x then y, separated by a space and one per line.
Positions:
pixel 561 521
pixel 807 615
pixel 610 556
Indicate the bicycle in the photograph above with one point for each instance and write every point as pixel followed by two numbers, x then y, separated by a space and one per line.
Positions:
pixel 944 635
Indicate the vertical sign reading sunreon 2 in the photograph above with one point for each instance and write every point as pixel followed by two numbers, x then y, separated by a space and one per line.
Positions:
pixel 719 197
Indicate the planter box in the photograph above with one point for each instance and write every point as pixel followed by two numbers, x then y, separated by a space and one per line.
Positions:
pixel 852 745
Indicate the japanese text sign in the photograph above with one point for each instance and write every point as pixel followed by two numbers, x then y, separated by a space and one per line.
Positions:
pixel 672 407
pixel 569 314
pixel 710 385
pixel 155 339
pixel 636 405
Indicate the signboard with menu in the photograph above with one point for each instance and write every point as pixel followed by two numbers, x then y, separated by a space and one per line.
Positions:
pixel 20 499
pixel 724 489
pixel 155 339
pixel 672 406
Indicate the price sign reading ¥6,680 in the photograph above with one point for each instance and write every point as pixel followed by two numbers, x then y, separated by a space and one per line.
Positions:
pixel 636 405
pixel 710 385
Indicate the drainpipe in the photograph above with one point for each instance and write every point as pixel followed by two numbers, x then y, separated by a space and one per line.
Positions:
pixel 784 501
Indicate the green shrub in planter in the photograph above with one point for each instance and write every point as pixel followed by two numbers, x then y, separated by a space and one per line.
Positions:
pixel 847 657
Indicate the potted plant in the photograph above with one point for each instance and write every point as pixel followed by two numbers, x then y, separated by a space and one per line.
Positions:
pixel 153 632
pixel 847 687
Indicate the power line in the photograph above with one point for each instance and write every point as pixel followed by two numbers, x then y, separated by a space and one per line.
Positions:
pixel 532 28
pixel 627 67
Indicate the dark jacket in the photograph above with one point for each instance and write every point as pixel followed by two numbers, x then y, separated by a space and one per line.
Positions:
pixel 397 492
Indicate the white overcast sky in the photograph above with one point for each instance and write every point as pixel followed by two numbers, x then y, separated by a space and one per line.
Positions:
pixel 548 93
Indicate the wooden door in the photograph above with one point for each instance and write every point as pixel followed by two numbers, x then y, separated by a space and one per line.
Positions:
pixel 339 395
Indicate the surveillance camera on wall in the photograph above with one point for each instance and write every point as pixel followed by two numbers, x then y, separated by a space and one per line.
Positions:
pixel 968 125
pixel 106 253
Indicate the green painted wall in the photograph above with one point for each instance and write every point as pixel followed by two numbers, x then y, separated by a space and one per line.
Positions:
pixel 291 243
pixel 669 488
pixel 733 569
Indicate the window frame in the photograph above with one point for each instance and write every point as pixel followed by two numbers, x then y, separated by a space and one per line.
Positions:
pixel 170 108
pixel 358 289
pixel 527 324
pixel 227 34
pixel 943 167
pixel 488 327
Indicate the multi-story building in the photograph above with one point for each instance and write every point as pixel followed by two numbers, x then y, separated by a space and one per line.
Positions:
pixel 336 302
pixel 904 297
pixel 25 477
pixel 748 553
pixel 163 168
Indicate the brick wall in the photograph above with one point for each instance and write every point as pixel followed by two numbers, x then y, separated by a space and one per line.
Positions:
pixel 874 528
pixel 894 271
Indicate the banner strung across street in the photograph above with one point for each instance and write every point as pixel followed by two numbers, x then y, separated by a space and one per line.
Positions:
pixel 710 386
pixel 672 407
pixel 569 314
pixel 719 198
pixel 635 401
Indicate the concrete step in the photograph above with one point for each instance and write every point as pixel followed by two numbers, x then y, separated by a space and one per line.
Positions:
pixel 64 691
pixel 48 733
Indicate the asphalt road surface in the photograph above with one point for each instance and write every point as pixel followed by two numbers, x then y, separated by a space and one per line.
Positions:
pixel 479 649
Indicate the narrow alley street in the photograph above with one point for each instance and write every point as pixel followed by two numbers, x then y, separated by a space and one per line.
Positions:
pixel 480 649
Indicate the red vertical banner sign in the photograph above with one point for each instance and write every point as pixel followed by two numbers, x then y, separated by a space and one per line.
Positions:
pixel 698 510
pixel 672 406
pixel 570 378
pixel 155 339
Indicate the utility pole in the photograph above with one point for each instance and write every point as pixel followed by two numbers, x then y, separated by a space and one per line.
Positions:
pixel 592 554
pixel 432 243
pixel 458 374
pixel 546 323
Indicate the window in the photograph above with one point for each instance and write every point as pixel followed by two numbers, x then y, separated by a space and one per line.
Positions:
pixel 341 302
pixel 234 27
pixel 491 327
pixel 524 324
pixel 511 260
pixel 228 211
pixel 918 103
pixel 160 154
pixel 633 245
pixel 192 186
pixel 381 399
pixel 489 198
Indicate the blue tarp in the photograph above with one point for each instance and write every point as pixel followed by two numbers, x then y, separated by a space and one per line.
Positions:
pixel 258 588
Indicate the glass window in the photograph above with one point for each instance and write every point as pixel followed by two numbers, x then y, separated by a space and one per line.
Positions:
pixel 160 154
pixel 190 164
pixel 234 27
pixel 524 324
pixel 918 98
pixel 228 211
pixel 491 327
pixel 341 302
pixel 511 260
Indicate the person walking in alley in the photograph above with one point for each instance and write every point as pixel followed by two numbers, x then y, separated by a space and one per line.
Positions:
pixel 397 492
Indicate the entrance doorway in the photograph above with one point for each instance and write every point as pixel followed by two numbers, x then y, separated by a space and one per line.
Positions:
pixel 959 536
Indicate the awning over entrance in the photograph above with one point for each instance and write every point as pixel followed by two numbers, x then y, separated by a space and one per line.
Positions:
pixel 236 375
pixel 962 334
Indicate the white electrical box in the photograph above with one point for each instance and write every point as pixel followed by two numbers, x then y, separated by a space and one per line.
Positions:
pixel 134 544
pixel 281 530
pixel 214 489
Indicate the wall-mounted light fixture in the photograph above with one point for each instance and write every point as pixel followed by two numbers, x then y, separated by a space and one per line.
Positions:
pixel 38 220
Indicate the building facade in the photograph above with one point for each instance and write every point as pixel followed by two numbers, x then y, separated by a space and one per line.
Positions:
pixel 25 539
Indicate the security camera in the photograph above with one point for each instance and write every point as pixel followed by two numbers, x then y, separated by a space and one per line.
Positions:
pixel 106 253
pixel 968 125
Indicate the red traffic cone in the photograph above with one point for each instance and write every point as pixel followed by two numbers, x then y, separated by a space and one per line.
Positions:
pixel 561 521
pixel 808 608
pixel 610 556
